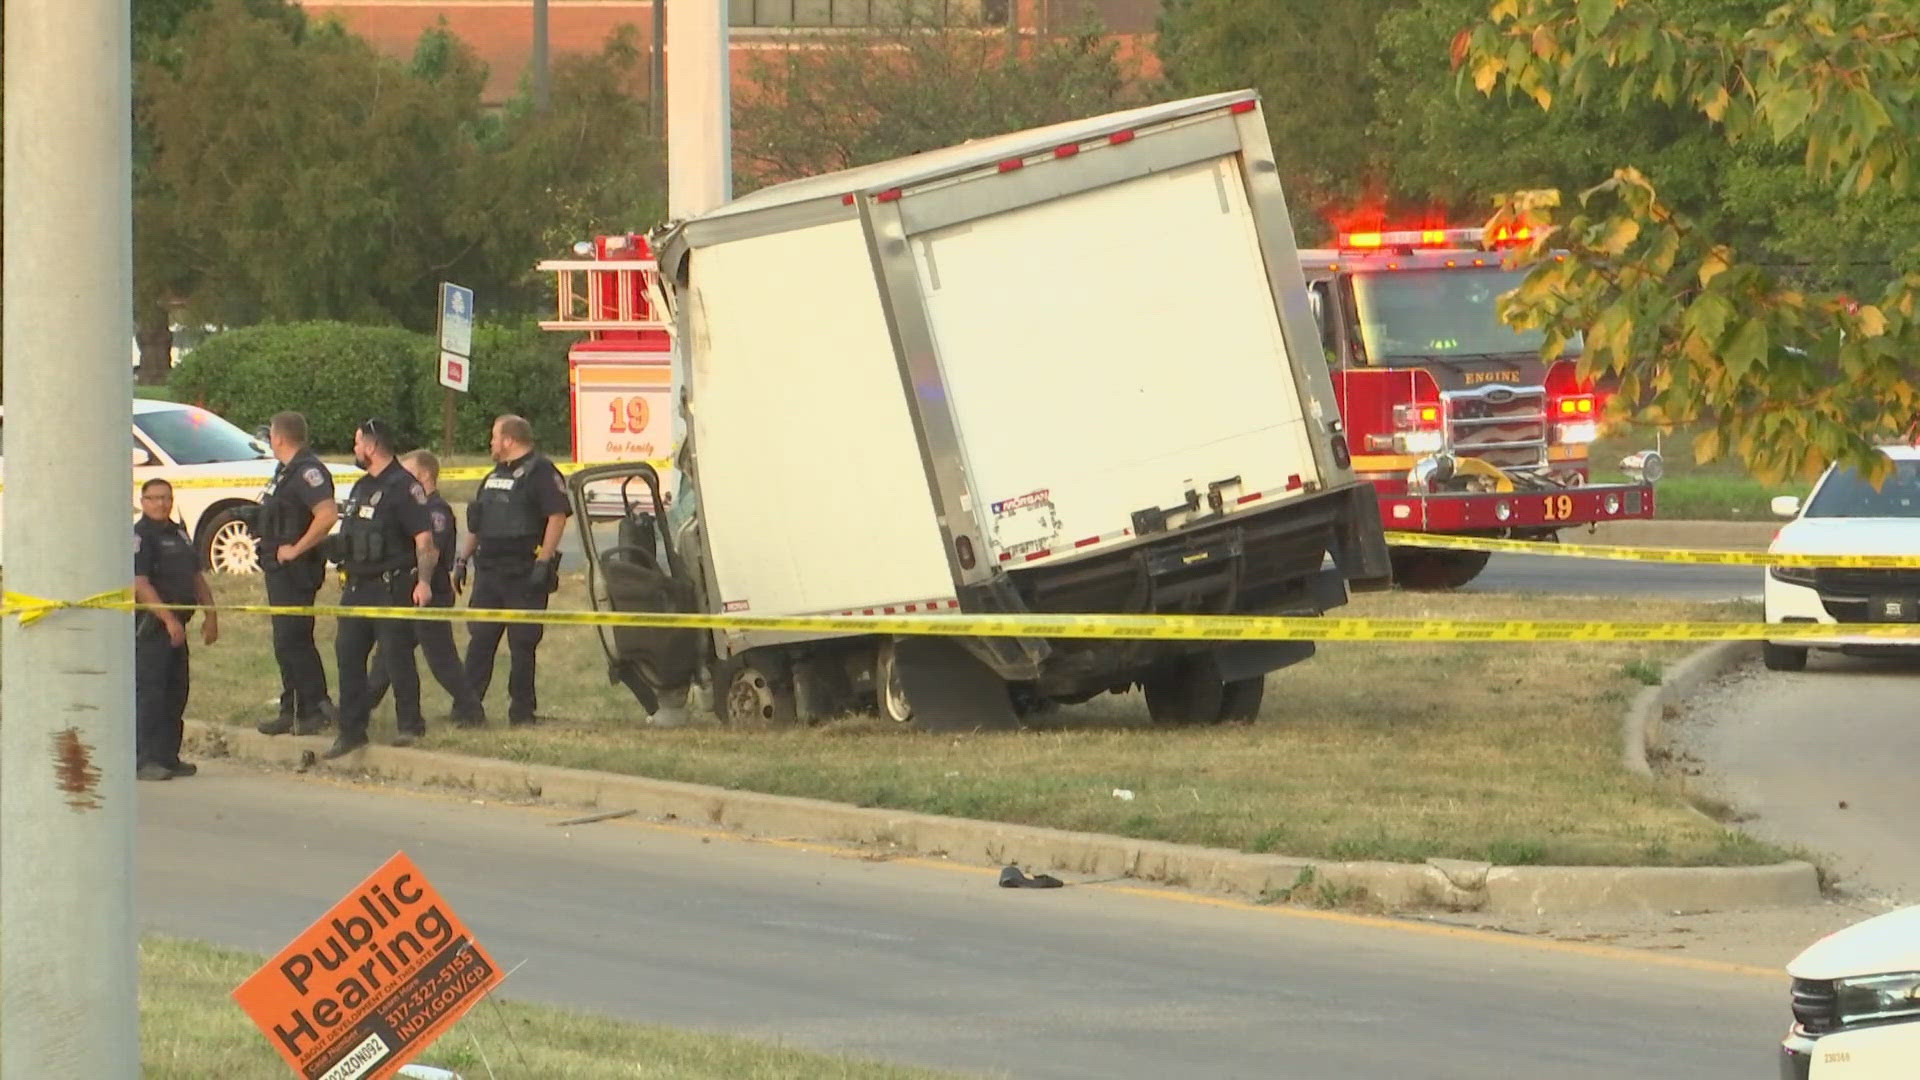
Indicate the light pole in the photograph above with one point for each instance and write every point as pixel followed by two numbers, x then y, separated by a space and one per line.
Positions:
pixel 540 95
pixel 68 984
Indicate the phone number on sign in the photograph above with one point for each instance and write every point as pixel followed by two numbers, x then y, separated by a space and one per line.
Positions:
pixel 447 988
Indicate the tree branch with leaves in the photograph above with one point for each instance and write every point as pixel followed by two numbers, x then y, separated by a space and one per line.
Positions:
pixel 1793 377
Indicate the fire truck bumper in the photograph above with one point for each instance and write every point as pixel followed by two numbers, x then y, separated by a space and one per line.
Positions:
pixel 1530 510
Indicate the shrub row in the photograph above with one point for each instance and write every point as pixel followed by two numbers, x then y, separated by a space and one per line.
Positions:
pixel 341 374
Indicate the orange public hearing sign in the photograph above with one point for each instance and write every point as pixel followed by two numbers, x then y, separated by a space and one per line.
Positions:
pixel 371 983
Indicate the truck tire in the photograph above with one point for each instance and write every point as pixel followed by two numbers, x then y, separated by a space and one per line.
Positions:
pixel 1783 657
pixel 1189 693
pixel 935 685
pixel 752 690
pixel 1429 569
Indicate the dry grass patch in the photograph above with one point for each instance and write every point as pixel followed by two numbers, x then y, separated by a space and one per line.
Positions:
pixel 191 1029
pixel 1504 752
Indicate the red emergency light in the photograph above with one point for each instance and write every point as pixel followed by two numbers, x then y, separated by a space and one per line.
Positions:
pixel 1412 238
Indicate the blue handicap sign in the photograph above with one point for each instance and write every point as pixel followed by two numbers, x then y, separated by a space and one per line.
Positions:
pixel 456 319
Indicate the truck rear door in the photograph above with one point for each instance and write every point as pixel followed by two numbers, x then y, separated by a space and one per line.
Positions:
pixel 1108 352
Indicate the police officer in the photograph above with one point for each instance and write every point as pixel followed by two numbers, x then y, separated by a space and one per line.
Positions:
pixel 513 540
pixel 296 513
pixel 385 547
pixel 434 637
pixel 167 578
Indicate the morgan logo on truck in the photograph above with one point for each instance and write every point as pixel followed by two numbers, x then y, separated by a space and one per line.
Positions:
pixel 1031 498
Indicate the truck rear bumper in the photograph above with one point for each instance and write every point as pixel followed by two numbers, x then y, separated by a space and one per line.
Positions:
pixel 1529 510
pixel 1266 563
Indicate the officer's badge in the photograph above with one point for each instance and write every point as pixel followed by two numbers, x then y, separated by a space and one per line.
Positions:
pixel 374 499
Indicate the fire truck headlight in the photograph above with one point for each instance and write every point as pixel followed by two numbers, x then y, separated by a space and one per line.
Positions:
pixel 1575 434
pixel 1417 442
pixel 1613 504
pixel 1502 510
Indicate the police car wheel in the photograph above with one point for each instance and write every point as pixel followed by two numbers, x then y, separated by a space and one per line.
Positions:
pixel 227 545
pixel 1783 657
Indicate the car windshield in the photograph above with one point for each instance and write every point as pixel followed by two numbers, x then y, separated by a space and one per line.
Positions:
pixel 193 436
pixel 1846 494
pixel 1419 314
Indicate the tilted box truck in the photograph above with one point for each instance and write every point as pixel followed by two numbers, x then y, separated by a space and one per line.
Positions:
pixel 1070 369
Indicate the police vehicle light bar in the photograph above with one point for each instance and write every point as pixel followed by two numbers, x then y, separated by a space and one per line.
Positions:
pixel 1435 238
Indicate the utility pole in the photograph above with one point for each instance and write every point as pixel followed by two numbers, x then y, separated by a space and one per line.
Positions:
pixel 68 993
pixel 699 109
pixel 540 95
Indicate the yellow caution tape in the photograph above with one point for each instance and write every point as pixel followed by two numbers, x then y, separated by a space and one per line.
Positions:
pixel 32 609
pixel 1683 556
pixel 463 472
pixel 1111 627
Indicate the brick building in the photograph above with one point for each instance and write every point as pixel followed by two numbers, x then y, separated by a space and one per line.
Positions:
pixel 501 31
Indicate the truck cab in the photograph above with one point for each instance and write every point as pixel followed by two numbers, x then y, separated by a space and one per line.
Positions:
pixel 1452 415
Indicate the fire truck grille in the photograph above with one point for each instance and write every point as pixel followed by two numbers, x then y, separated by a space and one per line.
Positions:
pixel 1503 426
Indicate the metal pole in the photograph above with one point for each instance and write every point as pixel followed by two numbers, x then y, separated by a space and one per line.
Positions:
pixel 68 1001
pixel 699 107
pixel 657 76
pixel 540 95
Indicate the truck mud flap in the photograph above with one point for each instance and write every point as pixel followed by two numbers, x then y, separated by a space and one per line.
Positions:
pixel 950 689
pixel 1252 659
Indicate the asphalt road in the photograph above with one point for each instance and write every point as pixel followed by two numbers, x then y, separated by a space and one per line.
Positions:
pixel 1825 759
pixel 924 963
pixel 1599 577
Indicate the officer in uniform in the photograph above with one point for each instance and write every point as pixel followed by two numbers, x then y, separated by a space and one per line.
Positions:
pixel 513 539
pixel 434 637
pixel 385 548
pixel 295 514
pixel 167 578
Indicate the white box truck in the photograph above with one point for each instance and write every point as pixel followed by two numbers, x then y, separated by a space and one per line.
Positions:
pixel 1070 369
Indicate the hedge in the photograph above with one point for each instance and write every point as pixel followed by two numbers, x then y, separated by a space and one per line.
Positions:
pixel 340 374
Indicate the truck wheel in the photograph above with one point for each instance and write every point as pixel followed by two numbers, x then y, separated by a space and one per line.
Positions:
pixel 1240 704
pixel 1428 569
pixel 753 691
pixel 1783 657
pixel 937 685
pixel 1189 693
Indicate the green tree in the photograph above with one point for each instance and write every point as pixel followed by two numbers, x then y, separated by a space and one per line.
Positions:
pixel 825 101
pixel 1313 63
pixel 297 174
pixel 1792 372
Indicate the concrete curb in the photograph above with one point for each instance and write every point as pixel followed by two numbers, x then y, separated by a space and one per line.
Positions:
pixel 1649 708
pixel 1443 883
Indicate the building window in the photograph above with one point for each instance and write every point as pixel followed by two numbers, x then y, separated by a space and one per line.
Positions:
pixel 810 13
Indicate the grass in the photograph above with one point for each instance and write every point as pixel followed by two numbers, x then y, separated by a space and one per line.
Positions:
pixel 1720 490
pixel 1503 752
pixel 190 1029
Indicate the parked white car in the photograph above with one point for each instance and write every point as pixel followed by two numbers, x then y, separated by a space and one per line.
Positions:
pixel 1845 515
pixel 1856 1003
pixel 184 442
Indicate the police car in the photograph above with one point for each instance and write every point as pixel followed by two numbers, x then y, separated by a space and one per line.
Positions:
pixel 1845 515
pixel 185 443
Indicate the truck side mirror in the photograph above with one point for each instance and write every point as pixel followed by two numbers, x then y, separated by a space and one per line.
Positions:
pixel 1786 506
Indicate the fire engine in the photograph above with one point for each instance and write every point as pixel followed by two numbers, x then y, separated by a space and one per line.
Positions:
pixel 620 374
pixel 1452 414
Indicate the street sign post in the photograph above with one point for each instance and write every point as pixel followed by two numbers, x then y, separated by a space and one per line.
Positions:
pixel 456 354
